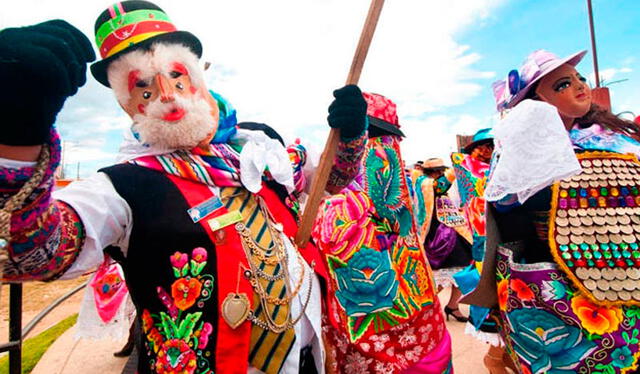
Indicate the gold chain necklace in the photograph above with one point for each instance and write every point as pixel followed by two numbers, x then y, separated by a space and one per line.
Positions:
pixel 260 253
pixel 250 247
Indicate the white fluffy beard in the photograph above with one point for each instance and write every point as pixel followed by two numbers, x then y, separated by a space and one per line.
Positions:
pixel 185 133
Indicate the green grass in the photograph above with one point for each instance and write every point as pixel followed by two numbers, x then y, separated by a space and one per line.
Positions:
pixel 33 348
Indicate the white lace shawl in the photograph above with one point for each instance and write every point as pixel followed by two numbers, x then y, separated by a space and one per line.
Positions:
pixel 532 151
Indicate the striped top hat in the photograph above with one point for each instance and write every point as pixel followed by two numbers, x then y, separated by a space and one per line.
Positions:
pixel 131 25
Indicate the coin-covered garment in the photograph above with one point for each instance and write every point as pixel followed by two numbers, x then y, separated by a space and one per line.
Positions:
pixel 594 227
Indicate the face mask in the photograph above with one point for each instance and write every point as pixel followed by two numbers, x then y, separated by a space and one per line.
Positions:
pixel 441 185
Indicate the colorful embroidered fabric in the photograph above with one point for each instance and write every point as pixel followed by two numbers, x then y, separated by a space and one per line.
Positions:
pixel 109 290
pixel 177 336
pixel 381 294
pixel 46 235
pixel 422 343
pixel 423 203
pixel 219 165
pixel 345 164
pixel 549 326
pixel 471 176
pixel 594 227
pixel 597 137
pixel 452 216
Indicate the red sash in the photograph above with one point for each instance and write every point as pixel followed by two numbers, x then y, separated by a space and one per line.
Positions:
pixel 232 345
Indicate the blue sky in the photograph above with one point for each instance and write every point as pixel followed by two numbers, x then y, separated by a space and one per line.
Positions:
pixel 278 61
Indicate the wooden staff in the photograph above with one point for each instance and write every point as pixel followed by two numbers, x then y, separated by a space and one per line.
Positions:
pixel 326 159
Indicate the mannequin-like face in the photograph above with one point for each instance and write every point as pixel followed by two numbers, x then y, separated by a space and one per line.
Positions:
pixel 163 93
pixel 146 90
pixel 568 91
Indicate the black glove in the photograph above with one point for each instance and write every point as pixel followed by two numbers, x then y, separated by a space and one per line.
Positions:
pixel 348 112
pixel 40 66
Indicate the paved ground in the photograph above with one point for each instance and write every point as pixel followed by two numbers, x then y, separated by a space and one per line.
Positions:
pixel 70 356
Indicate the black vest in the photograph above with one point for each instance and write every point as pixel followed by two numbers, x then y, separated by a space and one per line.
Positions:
pixel 161 227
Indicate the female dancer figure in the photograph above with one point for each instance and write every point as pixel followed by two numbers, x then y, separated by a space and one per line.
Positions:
pixel 562 259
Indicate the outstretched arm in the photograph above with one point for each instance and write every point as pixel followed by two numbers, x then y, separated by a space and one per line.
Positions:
pixel 43 64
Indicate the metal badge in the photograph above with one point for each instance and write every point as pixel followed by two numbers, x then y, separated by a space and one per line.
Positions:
pixel 577 230
pixel 611 295
pixel 577 239
pixel 225 220
pixel 582 273
pixel 633 273
pixel 624 220
pixel 599 295
pixel 602 238
pixel 590 284
pixel 563 222
pixel 586 221
pixel 603 284
pixel 624 295
pixel 200 211
pixel 608 274
pixel 598 220
pixel 616 285
pixel 616 238
pixel 613 229
pixel 630 284
pixel 626 229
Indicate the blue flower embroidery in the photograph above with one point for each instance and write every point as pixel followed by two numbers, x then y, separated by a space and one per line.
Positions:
pixel 622 357
pixel 546 342
pixel 367 284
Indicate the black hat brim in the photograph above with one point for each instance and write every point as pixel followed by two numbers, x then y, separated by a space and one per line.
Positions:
pixel 472 145
pixel 385 126
pixel 99 69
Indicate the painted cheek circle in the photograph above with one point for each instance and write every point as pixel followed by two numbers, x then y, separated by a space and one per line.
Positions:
pixel 193 90
pixel 141 108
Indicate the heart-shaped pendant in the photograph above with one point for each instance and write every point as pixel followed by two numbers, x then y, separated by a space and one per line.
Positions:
pixel 235 309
